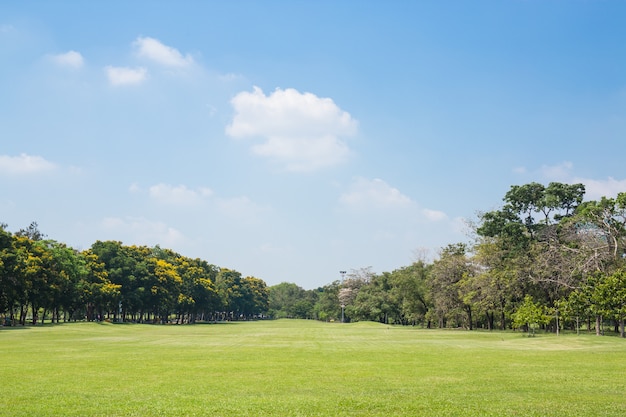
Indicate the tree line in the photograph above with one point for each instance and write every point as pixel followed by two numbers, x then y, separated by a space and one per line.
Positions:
pixel 546 258
pixel 44 279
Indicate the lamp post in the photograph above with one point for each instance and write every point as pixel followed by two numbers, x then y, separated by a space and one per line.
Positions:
pixel 343 306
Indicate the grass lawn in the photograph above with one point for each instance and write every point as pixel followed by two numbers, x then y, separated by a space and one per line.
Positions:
pixel 305 368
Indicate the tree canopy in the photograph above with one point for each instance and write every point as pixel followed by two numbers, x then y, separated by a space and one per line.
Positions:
pixel 41 277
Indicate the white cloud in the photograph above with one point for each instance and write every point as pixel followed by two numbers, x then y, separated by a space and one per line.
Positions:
pixel 134 188
pixel 70 59
pixel 434 215
pixel 304 154
pixel 301 130
pixel 560 172
pixel 242 208
pixel 375 197
pixel 377 218
pixel 141 231
pixel 594 188
pixel 179 195
pixel 125 75
pixel 374 193
pixel 154 50
pixel 24 164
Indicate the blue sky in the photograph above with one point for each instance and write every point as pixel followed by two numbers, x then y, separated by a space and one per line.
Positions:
pixel 290 140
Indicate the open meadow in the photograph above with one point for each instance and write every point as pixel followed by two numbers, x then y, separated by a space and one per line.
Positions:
pixel 305 368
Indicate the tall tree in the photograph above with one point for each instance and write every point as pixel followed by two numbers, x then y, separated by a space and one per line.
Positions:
pixel 328 307
pixel 68 268
pixel 410 288
pixel 447 278
pixel 198 292
pixel 9 283
pixel 256 297
pixel 375 301
pixel 285 300
pixel 98 294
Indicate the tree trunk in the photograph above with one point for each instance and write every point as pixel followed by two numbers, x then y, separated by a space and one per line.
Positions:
pixel 557 322
pixel 598 321
pixel 23 310
pixel 621 327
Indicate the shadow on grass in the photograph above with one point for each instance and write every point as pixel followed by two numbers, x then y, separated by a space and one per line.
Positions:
pixel 16 327
pixel 198 323
pixel 35 326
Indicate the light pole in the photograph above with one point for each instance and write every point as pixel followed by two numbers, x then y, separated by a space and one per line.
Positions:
pixel 343 306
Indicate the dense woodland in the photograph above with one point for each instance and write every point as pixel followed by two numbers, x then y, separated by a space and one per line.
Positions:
pixel 546 259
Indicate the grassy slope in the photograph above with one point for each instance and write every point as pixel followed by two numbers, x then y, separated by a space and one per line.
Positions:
pixel 305 368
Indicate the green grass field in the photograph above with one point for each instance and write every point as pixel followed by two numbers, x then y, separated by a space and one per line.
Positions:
pixel 305 368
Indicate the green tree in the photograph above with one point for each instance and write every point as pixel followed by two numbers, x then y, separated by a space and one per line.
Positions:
pixel 198 295
pixel 164 287
pixel 499 282
pixel 228 283
pixel 285 301
pixel 34 269
pixel 448 275
pixel 68 269
pixel 609 297
pixel 256 297
pixel 9 286
pixel 530 315
pixel 327 306
pixel 98 294
pixel 530 246
pixel 409 287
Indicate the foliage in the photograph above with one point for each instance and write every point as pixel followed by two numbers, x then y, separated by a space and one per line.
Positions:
pixel 117 282
pixel 288 300
pixel 530 315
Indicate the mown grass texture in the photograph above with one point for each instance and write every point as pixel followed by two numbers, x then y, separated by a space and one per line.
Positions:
pixel 305 368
